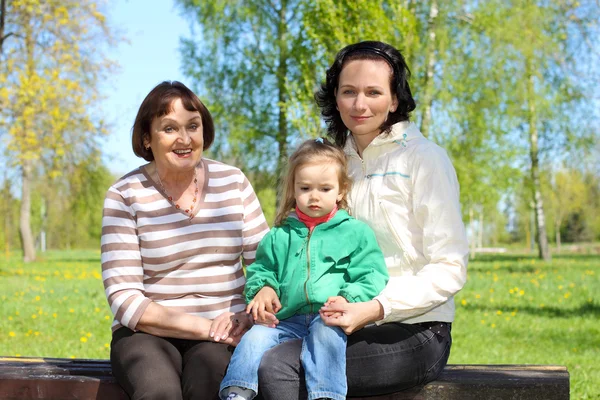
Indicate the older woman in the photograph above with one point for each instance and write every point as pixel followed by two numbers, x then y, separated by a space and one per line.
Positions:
pixel 406 189
pixel 174 233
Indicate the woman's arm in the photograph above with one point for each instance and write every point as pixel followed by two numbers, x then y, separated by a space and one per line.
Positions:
pixel 436 207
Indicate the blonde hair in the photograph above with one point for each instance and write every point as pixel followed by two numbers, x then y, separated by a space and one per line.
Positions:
pixel 309 152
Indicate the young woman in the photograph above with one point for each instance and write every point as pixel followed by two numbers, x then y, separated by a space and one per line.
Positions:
pixel 314 252
pixel 406 190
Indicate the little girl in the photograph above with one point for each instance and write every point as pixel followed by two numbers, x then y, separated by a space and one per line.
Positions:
pixel 315 251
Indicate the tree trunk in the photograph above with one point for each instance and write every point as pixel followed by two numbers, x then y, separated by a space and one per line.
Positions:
pixel 2 22
pixel 282 131
pixel 25 214
pixel 430 65
pixel 472 241
pixel 480 231
pixel 538 203
pixel 557 235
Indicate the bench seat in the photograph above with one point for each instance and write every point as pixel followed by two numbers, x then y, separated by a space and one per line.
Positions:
pixel 56 378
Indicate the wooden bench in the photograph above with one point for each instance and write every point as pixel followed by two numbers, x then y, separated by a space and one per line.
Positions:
pixel 54 378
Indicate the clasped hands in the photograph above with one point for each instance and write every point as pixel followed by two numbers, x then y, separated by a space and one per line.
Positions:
pixel 229 327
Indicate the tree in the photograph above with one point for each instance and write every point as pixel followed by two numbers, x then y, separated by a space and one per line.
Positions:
pixel 258 64
pixel 540 84
pixel 50 72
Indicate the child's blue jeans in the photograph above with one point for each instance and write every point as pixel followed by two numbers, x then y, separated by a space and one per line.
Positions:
pixel 323 355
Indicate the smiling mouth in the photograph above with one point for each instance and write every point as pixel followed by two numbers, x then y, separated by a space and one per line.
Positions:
pixel 182 152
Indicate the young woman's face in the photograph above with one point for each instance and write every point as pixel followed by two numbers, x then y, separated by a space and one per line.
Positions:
pixel 317 188
pixel 176 140
pixel 364 97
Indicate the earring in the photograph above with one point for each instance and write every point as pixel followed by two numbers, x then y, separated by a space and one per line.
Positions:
pixel 147 147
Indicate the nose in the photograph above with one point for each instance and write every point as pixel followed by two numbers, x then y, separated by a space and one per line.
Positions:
pixel 313 195
pixel 184 136
pixel 359 102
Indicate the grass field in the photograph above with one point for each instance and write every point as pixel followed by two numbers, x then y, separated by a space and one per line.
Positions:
pixel 513 310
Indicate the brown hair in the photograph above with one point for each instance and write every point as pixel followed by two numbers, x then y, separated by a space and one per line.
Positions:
pixel 159 102
pixel 312 151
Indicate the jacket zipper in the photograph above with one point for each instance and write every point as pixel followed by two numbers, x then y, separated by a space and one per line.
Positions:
pixel 308 269
pixel 408 257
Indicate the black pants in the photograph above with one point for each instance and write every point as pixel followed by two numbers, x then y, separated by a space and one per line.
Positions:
pixel 151 367
pixel 380 360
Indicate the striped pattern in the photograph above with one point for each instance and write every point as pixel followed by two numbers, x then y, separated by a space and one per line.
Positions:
pixel 154 252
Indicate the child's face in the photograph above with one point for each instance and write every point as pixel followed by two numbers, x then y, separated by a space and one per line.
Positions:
pixel 317 188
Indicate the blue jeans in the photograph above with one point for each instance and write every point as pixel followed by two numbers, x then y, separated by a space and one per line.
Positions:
pixel 323 355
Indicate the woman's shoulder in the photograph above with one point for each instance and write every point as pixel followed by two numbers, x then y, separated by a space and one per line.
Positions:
pixel 218 166
pixel 131 180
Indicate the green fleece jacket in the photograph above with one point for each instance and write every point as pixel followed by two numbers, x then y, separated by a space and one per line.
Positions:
pixel 339 258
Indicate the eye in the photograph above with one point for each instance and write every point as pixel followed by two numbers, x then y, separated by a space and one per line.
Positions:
pixel 169 129
pixel 374 92
pixel 348 91
pixel 304 188
pixel 326 189
pixel 194 127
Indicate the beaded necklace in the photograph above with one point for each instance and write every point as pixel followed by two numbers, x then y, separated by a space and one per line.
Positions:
pixel 189 211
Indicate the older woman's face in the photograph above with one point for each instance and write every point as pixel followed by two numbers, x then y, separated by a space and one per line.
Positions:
pixel 364 97
pixel 176 140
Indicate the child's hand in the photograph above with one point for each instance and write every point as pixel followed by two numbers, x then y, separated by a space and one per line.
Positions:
pixel 265 300
pixel 333 300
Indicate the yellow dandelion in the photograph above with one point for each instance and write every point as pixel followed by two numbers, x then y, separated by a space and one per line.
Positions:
pixel 106 317
pixel 52 291
pixel 542 305
pixel 96 309
pixel 17 355
pixel 483 321
pixel 71 310
pixel 10 318
pixel 36 333
pixel 499 312
pixel 54 315
pixel 521 292
pixel 16 313
pixel 492 290
pixel 560 287
pixel 106 345
pixel 567 295
pixel 477 296
pixel 511 291
pixel 89 334
pixel 33 316
pixel 493 326
pixel 83 339
pixel 37 298
pixel 12 334
pixel 463 302
pixel 71 356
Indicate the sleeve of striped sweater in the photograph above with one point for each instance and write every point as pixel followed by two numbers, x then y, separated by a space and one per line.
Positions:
pixel 122 271
pixel 255 225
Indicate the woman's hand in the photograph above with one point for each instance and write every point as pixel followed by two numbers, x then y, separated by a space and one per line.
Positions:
pixel 265 300
pixel 229 327
pixel 350 316
pixel 333 300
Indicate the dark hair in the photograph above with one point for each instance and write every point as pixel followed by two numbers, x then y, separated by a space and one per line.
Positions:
pixel 159 102
pixel 320 151
pixel 368 50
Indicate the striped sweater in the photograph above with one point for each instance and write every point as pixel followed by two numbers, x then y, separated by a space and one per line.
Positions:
pixel 152 252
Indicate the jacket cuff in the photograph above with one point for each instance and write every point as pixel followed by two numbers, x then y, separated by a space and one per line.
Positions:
pixel 387 307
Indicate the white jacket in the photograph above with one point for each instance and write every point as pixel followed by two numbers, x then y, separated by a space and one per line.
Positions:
pixel 405 188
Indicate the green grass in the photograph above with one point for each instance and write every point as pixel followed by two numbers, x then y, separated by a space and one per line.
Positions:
pixel 513 310
pixel 54 307
pixel 518 310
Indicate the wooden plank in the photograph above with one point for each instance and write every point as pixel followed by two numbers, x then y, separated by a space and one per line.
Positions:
pixel 54 378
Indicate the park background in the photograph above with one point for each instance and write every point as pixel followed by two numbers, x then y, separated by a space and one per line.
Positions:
pixel 510 88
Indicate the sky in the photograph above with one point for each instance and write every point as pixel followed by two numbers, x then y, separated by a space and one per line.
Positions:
pixel 149 56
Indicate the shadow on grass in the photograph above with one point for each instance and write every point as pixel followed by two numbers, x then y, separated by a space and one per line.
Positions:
pixel 584 310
